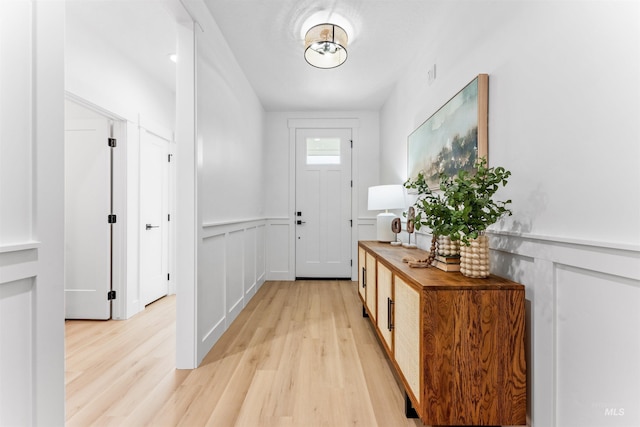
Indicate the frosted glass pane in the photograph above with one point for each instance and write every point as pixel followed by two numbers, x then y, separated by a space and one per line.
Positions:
pixel 323 151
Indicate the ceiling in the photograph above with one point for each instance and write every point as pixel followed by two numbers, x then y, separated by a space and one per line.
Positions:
pixel 267 38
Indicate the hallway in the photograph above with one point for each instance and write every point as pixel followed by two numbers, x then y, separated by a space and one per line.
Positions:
pixel 294 357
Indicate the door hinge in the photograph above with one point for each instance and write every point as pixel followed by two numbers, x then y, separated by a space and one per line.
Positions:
pixel 351 263
pixel 111 295
pixel 351 183
pixel 169 157
pixel 168 217
pixel 168 276
pixel 112 142
pixel 351 222
pixel 111 219
pixel 352 143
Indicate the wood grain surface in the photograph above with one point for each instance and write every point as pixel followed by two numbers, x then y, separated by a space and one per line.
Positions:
pixel 472 342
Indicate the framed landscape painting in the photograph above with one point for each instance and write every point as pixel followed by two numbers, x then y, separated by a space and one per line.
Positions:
pixel 454 137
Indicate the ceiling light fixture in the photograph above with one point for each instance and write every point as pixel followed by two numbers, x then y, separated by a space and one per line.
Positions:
pixel 325 46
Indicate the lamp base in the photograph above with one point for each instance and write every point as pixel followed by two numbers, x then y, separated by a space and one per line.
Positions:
pixel 384 232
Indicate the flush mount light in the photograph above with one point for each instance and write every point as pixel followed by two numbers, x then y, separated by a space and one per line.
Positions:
pixel 325 46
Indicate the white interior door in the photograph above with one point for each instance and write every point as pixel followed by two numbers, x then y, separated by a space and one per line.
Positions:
pixel 87 232
pixel 154 220
pixel 323 203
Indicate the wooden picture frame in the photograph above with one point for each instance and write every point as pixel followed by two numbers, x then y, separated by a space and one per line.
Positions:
pixel 454 137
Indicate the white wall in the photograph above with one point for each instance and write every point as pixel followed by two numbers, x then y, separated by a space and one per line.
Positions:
pixel 31 213
pixel 564 103
pixel 280 180
pixel 227 167
pixel 98 70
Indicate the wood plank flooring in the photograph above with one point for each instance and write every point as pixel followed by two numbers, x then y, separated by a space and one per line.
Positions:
pixel 296 356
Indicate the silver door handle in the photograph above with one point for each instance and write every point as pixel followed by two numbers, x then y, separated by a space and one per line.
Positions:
pixel 149 226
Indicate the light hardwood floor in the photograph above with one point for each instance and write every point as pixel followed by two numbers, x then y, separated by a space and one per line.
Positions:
pixel 296 356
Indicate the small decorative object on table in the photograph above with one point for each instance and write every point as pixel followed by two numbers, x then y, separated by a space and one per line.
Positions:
pixel 475 258
pixel 411 215
pixel 396 227
pixel 417 262
pixel 448 257
pixel 448 247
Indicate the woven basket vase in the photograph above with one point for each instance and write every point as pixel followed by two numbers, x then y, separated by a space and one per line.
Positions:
pixel 474 259
pixel 448 247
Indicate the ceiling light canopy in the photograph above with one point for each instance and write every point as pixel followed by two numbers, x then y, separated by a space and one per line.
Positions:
pixel 325 46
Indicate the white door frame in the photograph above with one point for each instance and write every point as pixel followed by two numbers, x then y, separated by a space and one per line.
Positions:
pixel 346 123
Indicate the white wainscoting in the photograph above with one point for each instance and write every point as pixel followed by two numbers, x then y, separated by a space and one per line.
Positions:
pixel 18 271
pixel 280 257
pixel 231 268
pixel 583 307
pixel 366 230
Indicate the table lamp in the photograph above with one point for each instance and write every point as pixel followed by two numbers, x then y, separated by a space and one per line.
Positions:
pixel 385 197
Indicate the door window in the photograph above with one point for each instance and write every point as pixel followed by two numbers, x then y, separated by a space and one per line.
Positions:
pixel 323 151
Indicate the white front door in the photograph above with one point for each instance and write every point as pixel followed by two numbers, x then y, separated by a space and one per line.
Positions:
pixel 323 203
pixel 154 220
pixel 87 232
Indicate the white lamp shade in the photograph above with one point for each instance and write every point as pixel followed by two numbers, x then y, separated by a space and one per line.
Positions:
pixel 383 197
pixel 325 46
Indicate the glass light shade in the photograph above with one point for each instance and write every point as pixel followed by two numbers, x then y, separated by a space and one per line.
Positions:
pixel 325 46
pixel 382 197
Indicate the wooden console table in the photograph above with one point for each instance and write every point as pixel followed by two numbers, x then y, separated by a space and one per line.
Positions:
pixel 458 344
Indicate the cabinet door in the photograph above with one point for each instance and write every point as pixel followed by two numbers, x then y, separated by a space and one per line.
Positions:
pixel 371 286
pixel 362 267
pixel 385 305
pixel 407 334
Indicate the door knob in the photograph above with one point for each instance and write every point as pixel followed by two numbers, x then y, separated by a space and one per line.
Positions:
pixel 149 226
pixel 300 222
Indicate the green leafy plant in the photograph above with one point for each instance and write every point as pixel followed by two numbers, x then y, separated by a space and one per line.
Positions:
pixel 431 208
pixel 464 207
